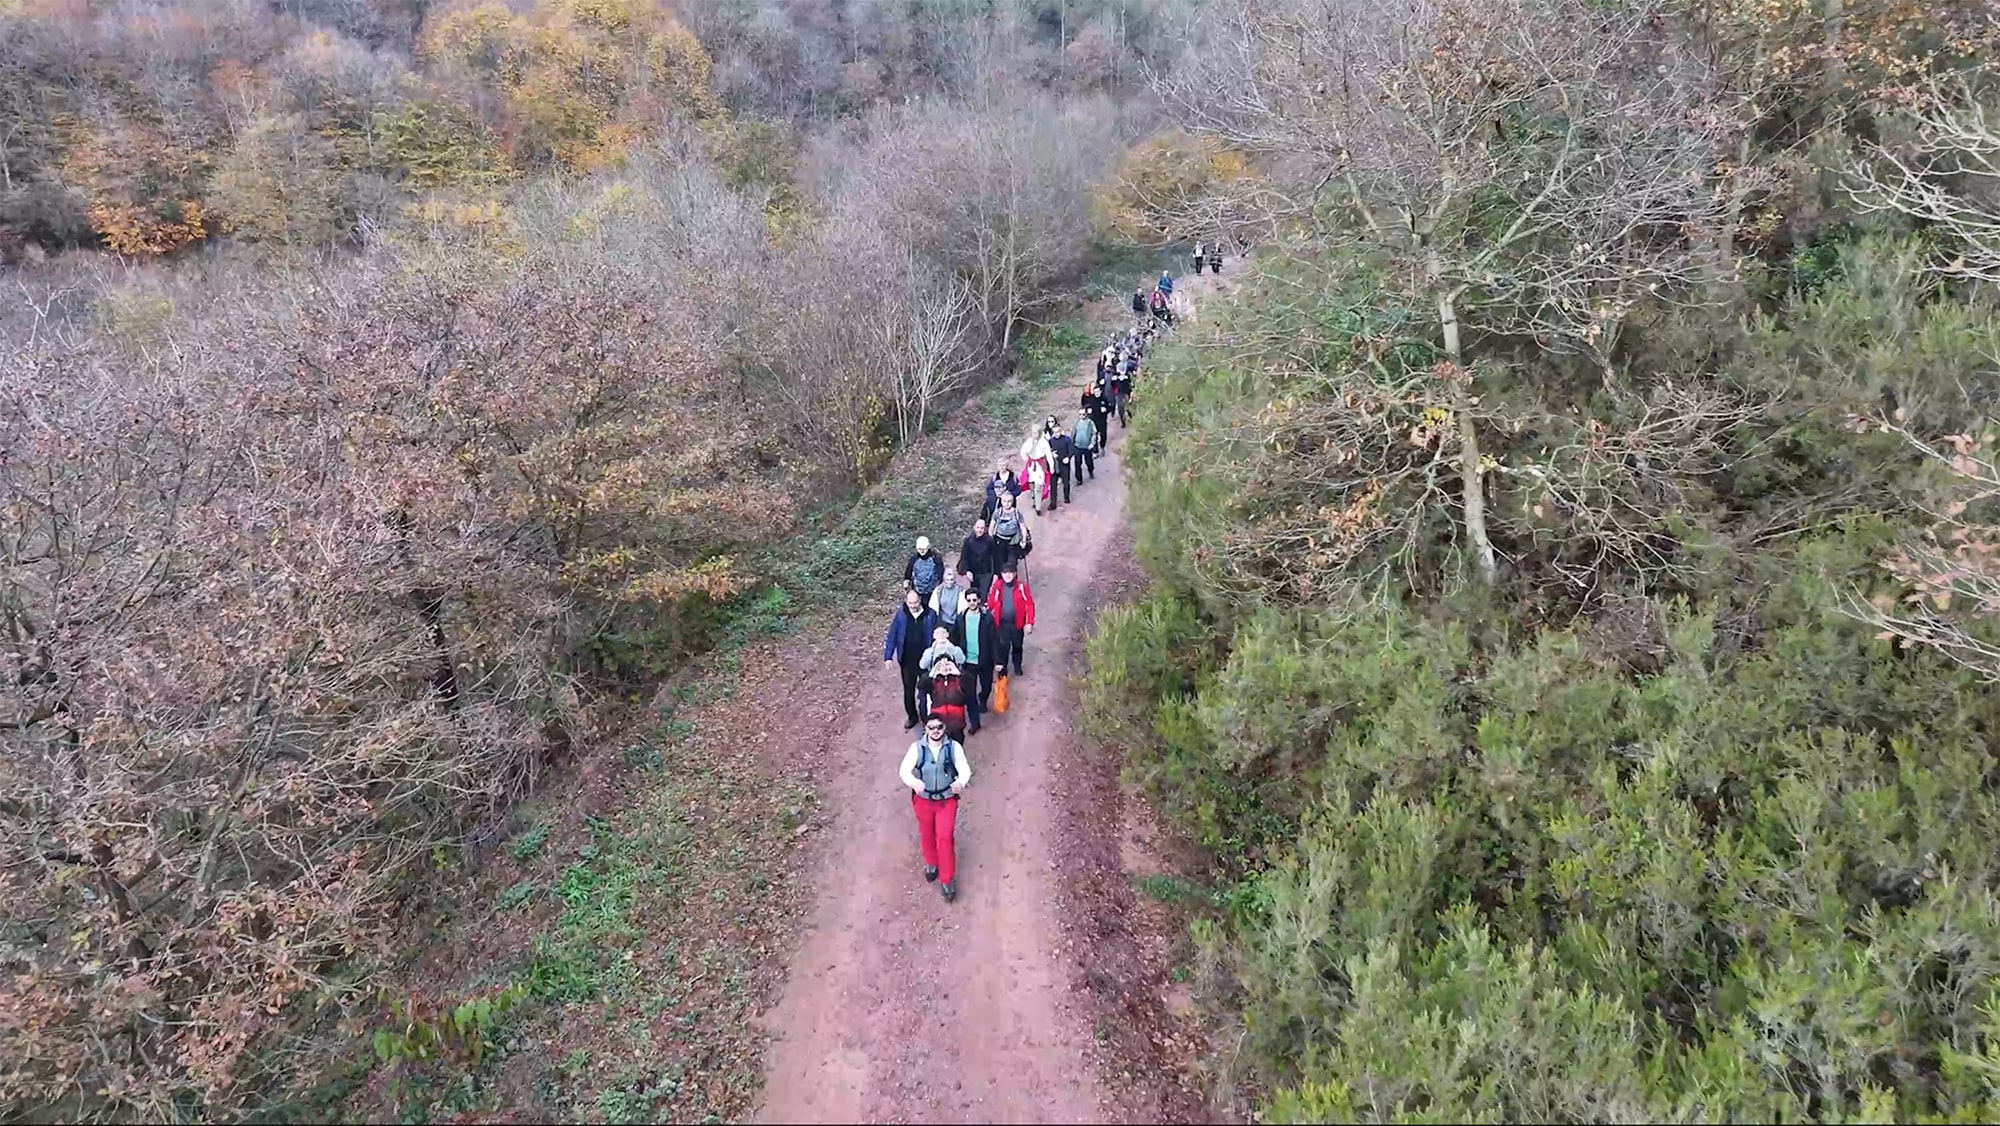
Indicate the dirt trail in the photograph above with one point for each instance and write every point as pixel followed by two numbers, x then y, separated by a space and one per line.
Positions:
pixel 900 1007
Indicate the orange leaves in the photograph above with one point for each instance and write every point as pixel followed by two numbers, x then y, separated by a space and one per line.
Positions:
pixel 143 189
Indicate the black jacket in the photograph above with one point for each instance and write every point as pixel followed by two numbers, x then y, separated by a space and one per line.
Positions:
pixel 989 634
pixel 1063 446
pixel 993 487
pixel 978 556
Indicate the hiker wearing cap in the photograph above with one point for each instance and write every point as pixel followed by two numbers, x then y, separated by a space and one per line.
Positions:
pixel 925 570
pixel 1002 481
pixel 909 636
pixel 936 771
pixel 979 557
pixel 1063 449
pixel 1084 441
pixel 977 635
pixel 1013 606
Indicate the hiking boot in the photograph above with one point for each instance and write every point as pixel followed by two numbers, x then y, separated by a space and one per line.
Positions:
pixel 910 725
pixel 949 891
pixel 930 873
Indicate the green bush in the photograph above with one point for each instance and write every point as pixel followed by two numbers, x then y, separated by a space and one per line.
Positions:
pixel 1753 884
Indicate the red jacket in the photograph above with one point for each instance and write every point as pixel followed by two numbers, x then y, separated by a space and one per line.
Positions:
pixel 1026 611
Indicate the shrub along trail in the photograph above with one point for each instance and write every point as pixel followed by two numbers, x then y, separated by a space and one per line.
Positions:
pixel 899 1006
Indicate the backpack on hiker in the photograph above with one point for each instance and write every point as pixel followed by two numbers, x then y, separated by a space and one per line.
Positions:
pixel 947 758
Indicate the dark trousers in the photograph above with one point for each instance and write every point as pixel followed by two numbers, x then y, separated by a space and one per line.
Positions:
pixel 1011 643
pixel 1061 482
pixel 912 678
pixel 982 582
pixel 980 677
pixel 1086 462
pixel 1102 420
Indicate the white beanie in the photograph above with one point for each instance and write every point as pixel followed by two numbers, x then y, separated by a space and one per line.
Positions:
pixel 923 543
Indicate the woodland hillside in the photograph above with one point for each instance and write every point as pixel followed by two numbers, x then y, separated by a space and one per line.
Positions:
pixel 1569 641
pixel 1571 637
pixel 393 392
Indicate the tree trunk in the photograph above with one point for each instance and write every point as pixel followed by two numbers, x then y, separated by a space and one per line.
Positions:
pixel 1833 21
pixel 1471 479
pixel 1720 278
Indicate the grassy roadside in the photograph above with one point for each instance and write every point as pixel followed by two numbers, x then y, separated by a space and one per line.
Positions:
pixel 609 961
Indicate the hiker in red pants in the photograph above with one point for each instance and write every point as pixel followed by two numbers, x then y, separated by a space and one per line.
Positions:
pixel 936 770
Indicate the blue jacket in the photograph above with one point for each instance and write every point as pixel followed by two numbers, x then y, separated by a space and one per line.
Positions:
pixel 899 628
pixel 1167 284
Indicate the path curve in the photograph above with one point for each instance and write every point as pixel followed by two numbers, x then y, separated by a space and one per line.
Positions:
pixel 898 1006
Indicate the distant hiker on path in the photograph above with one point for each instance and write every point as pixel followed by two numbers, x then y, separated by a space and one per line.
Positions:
pixel 936 771
pixel 979 557
pixel 1002 481
pixel 1063 448
pixel 1099 409
pixel 948 601
pixel 909 636
pixel 1197 260
pixel 1035 469
pixel 1120 389
pixel 1083 439
pixel 1010 533
pixel 1139 302
pixel 1013 607
pixel 978 635
pixel 925 571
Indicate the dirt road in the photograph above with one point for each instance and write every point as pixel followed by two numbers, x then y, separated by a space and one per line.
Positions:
pixel 900 1007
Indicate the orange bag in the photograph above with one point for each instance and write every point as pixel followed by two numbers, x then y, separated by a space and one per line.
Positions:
pixel 1000 696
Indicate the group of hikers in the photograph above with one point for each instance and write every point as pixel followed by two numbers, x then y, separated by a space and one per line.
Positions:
pixel 1158 303
pixel 964 625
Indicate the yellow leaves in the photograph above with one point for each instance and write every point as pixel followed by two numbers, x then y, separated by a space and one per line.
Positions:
pixel 1164 179
pixel 583 80
pixel 626 576
pixel 483 214
pixel 481 37
pixel 1432 425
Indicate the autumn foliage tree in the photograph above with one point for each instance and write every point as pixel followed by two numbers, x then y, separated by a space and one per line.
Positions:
pixel 575 82
pixel 296 595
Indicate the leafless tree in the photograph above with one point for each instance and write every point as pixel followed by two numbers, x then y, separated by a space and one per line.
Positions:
pixel 1529 166
pixel 1941 169
pixel 927 330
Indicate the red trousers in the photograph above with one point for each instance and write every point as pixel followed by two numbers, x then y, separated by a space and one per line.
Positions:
pixel 935 822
